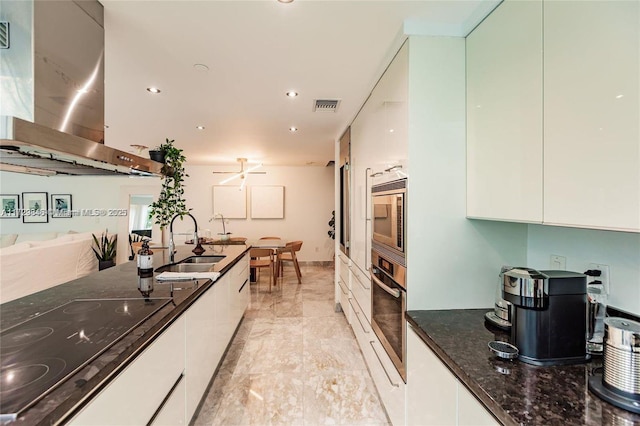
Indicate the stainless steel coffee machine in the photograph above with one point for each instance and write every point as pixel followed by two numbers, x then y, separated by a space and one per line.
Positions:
pixel 500 316
pixel 548 321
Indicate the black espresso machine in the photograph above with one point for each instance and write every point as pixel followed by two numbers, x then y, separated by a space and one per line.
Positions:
pixel 549 315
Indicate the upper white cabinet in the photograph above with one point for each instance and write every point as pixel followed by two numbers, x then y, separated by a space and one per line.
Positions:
pixel 566 151
pixel 591 114
pixel 504 114
pixel 378 142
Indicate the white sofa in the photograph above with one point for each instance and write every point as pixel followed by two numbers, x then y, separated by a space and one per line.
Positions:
pixel 36 262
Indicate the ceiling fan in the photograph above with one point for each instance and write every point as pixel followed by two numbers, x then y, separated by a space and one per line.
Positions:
pixel 242 173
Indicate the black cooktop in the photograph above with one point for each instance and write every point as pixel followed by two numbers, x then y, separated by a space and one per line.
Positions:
pixel 39 354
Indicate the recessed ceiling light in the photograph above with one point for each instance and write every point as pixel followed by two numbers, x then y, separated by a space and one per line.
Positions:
pixel 293 129
pixel 285 1
pixel 153 90
pixel 200 127
pixel 292 93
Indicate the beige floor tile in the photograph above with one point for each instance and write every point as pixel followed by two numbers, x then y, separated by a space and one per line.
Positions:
pixel 293 361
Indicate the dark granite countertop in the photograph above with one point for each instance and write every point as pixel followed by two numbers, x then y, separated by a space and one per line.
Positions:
pixel 515 392
pixel 119 282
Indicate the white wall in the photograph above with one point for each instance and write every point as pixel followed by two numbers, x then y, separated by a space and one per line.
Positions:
pixel 88 192
pixel 619 250
pixel 453 262
pixel 309 200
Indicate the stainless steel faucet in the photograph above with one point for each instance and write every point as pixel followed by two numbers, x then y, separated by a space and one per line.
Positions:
pixel 172 246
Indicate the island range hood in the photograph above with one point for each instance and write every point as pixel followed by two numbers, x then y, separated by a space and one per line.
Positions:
pixel 52 91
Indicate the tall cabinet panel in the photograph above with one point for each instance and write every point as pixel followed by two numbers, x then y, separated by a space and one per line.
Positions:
pixel 378 142
pixel 591 114
pixel 504 114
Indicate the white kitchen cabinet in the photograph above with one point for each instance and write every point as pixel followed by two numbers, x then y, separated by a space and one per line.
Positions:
pixel 591 110
pixel 504 114
pixel 431 388
pixel 239 292
pixel 172 412
pixel 434 395
pixel 204 342
pixel 378 142
pixel 388 381
pixel 361 291
pixel 470 411
pixel 142 386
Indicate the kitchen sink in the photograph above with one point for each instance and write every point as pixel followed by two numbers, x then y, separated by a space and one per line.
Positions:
pixel 203 259
pixel 186 267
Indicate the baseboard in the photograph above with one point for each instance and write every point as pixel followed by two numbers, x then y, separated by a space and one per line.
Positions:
pixel 323 263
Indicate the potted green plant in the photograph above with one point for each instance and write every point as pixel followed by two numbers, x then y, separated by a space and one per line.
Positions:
pixel 159 153
pixel 105 250
pixel 171 200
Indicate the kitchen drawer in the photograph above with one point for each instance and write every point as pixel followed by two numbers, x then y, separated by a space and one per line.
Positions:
pixel 390 385
pixel 361 290
pixel 150 378
pixel 344 299
pixel 361 327
pixel 344 268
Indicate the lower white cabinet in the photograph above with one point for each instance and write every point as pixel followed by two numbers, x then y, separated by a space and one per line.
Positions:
pixel 239 292
pixel 172 412
pixel 142 386
pixel 388 381
pixel 204 344
pixel 434 394
pixel 164 384
pixel 470 411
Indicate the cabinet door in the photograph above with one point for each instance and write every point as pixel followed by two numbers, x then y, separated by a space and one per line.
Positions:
pixel 592 136
pixel 239 290
pixel 431 388
pixel 142 386
pixel 379 140
pixel 504 114
pixel 173 411
pixel 204 347
pixel 471 412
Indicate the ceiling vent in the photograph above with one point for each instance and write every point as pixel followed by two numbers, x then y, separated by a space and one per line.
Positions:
pixel 4 35
pixel 325 105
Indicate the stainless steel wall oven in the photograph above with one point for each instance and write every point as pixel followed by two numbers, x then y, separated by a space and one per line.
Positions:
pixel 388 305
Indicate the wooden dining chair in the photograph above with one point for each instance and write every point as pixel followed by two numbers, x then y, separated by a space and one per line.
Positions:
pixel 288 254
pixel 262 258
pixel 270 238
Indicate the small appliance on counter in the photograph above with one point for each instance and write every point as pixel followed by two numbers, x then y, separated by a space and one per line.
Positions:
pixel 548 322
pixel 619 383
pixel 501 315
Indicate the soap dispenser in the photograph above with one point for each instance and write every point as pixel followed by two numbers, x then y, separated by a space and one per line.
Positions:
pixel 145 260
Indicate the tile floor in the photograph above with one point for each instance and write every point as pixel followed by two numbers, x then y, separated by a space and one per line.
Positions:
pixel 293 361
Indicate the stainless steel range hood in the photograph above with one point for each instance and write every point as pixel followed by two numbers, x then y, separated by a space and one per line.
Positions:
pixel 52 91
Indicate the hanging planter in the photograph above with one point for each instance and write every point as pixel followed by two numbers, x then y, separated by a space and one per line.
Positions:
pixel 157 155
pixel 171 200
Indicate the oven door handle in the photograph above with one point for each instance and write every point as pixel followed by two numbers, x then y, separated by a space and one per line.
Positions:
pixel 392 291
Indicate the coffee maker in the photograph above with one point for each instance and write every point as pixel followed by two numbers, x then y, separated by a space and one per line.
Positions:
pixel 548 322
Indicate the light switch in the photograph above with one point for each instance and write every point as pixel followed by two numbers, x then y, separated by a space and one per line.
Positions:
pixel 557 262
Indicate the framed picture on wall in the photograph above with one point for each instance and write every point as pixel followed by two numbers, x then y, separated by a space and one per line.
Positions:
pixel 35 207
pixel 10 205
pixel 61 205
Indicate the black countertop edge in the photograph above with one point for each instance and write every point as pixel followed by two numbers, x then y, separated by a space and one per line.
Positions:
pixel 74 401
pixel 477 391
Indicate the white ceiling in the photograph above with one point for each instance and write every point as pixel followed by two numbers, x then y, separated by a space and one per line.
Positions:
pixel 256 51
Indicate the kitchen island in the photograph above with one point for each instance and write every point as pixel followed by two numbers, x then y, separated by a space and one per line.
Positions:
pixel 512 391
pixel 80 389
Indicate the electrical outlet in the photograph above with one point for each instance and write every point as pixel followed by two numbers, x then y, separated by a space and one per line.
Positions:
pixel 605 277
pixel 558 263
